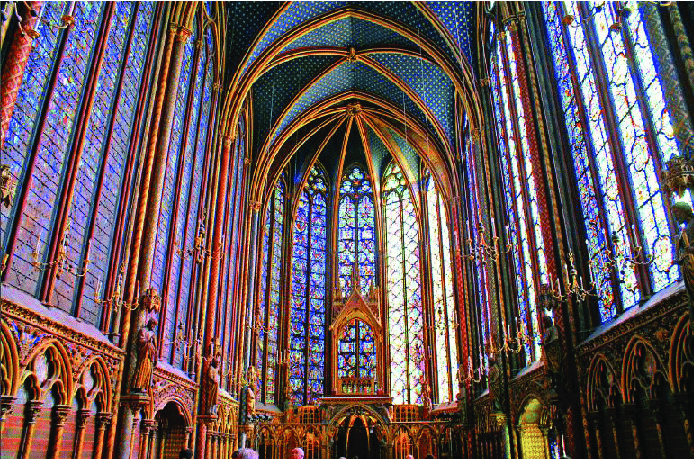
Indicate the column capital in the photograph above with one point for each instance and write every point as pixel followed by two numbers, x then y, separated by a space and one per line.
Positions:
pixel 103 420
pixel 32 410
pixel 60 413
pixel 183 34
pixel 228 140
pixel 147 425
pixel 82 417
pixel 6 403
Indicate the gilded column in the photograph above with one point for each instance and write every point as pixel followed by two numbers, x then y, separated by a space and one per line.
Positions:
pixel 103 420
pixel 59 415
pixel 15 63
pixel 630 414
pixel 145 432
pixel 32 410
pixel 593 419
pixel 684 403
pixel 6 403
pixel 81 423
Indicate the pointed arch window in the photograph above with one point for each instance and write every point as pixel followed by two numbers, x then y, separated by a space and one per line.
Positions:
pixel 267 319
pixel 620 134
pixel 445 318
pixel 307 331
pixel 356 239
pixel 522 183
pixel 96 140
pixel 405 314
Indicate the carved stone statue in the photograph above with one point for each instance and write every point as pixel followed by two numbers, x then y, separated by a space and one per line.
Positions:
pixel 146 357
pixel 683 214
pixel 495 385
pixel 552 352
pixel 250 403
pixel 212 386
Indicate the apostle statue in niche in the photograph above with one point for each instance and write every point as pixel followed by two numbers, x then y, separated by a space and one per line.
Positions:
pixel 682 213
pixel 552 353
pixel 250 392
pixel 212 386
pixel 146 346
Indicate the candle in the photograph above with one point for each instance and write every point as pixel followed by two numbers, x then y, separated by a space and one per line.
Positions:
pixel 38 245
pixel 493 227
pixel 71 9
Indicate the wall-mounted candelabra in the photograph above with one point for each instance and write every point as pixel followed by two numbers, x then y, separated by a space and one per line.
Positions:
pixel 473 374
pixel 198 252
pixel 484 250
pixel 61 262
pixel 116 300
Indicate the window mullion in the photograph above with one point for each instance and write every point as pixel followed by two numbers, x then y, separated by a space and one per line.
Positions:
pixel 614 141
pixel 592 168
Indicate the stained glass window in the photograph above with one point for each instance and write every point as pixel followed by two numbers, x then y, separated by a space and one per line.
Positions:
pixel 445 319
pixel 307 332
pixel 32 92
pixel 643 135
pixel 92 155
pixel 356 235
pixel 406 321
pixel 356 351
pixel 55 144
pixel 267 318
pixel 522 197
pixel 474 220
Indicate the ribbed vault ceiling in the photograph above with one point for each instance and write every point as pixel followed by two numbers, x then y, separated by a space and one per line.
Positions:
pixel 339 82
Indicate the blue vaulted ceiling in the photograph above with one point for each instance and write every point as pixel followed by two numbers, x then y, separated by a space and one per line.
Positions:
pixel 305 48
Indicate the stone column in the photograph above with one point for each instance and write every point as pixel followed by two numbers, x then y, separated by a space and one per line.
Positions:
pixel 59 415
pixel 103 420
pixel 612 414
pixel 82 418
pixel 630 414
pixel 162 440
pixel 684 403
pixel 145 432
pixel 657 410
pixel 595 425
pixel 6 403
pixel 32 410
pixel 502 423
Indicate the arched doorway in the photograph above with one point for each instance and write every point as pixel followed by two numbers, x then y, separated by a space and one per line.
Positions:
pixel 357 436
pixel 533 442
pixel 171 432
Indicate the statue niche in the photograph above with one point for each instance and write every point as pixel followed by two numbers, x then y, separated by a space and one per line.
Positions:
pixel 356 333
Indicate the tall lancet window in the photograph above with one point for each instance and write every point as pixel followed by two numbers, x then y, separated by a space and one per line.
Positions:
pixel 269 296
pixel 620 134
pixel 522 183
pixel 307 332
pixel 444 346
pixel 405 313
pixel 356 240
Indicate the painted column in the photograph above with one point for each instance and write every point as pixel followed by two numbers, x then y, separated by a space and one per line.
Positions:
pixel 629 411
pixel 6 403
pixel 103 420
pixel 145 429
pixel 32 410
pixel 250 300
pixel 82 418
pixel 59 415
pixel 15 64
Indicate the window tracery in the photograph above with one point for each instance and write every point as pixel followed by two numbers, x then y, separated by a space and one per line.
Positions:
pixel 307 330
pixel 406 314
pixel 621 126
